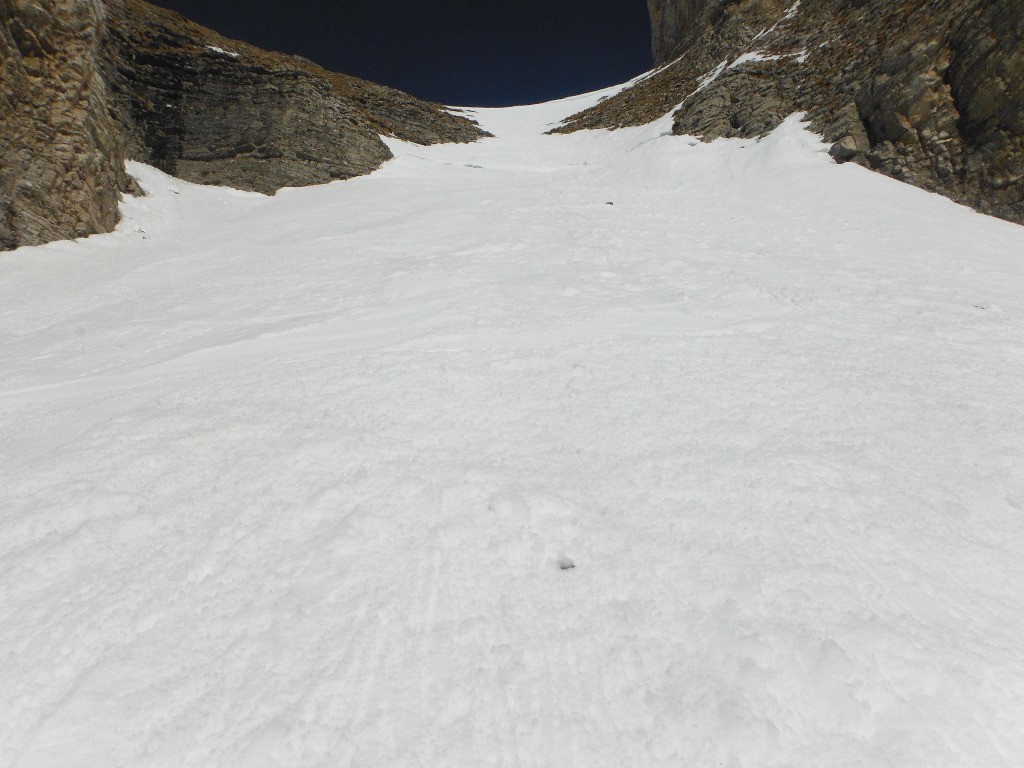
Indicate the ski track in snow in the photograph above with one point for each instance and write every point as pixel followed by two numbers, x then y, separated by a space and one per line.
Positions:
pixel 289 481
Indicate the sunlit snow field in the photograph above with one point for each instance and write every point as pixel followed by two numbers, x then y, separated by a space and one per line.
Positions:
pixel 298 481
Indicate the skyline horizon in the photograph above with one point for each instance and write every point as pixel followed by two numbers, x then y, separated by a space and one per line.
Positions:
pixel 532 53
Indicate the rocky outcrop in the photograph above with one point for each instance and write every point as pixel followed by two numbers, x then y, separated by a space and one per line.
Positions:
pixel 85 84
pixel 218 111
pixel 927 91
pixel 61 159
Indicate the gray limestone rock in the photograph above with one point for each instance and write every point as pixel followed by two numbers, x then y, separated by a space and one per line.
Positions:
pixel 217 111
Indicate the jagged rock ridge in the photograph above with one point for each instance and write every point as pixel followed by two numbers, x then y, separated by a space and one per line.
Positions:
pixel 927 91
pixel 87 84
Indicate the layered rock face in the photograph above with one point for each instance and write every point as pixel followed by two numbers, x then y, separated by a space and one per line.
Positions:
pixel 927 91
pixel 61 159
pixel 85 84
pixel 217 111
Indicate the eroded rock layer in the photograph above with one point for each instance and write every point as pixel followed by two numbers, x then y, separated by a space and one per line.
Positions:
pixel 927 91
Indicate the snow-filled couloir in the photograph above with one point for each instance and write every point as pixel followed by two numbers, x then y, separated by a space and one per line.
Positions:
pixel 608 449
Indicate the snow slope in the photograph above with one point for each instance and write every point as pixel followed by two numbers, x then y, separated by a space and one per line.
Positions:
pixel 298 481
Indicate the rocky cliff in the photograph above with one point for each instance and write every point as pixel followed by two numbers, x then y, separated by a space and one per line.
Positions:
pixel 927 91
pixel 61 157
pixel 218 111
pixel 87 83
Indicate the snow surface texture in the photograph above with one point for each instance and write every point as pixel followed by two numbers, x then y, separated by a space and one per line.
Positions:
pixel 610 449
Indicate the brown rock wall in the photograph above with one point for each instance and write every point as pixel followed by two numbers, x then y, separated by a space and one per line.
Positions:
pixel 61 161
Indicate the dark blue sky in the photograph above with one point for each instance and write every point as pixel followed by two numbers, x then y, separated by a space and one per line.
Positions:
pixel 460 52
